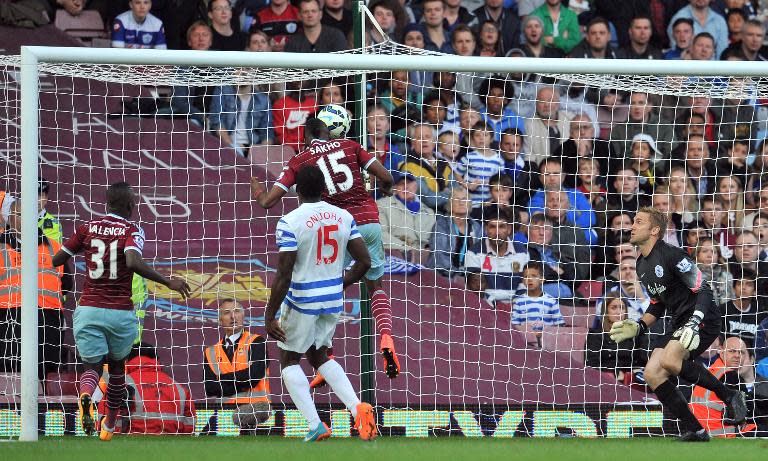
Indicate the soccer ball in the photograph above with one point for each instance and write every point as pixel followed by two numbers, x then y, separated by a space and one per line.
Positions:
pixel 337 120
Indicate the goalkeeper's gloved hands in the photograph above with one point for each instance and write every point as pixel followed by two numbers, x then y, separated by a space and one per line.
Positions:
pixel 625 329
pixel 688 334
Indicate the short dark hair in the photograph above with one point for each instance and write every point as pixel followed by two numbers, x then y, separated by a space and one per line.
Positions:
pixel 641 16
pixel 512 132
pixel 737 12
pixel 540 218
pixel 495 82
pixel 535 265
pixel 658 219
pixel 211 2
pixel 119 196
pixel 310 182
pixel 307 1
pixel 548 160
pixel 461 28
pixel 679 21
pixel 496 213
pixel 315 128
pixel 704 35
pixel 501 179
pixel 598 20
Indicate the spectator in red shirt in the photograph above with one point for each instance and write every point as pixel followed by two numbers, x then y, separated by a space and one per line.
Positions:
pixel 279 20
pixel 289 114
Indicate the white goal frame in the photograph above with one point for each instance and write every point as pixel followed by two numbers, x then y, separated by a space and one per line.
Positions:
pixel 33 56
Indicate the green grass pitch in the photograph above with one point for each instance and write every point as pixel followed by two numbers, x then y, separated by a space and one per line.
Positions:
pixel 264 448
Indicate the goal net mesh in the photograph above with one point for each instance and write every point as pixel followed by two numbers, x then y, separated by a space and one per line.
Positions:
pixel 485 349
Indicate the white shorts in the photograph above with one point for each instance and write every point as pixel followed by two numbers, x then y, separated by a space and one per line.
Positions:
pixel 303 331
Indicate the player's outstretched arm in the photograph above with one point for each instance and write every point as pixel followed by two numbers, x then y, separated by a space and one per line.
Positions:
pixel 285 262
pixel 383 177
pixel 136 263
pixel 263 198
pixel 359 252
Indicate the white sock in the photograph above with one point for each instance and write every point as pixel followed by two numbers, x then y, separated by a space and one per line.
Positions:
pixel 334 375
pixel 298 387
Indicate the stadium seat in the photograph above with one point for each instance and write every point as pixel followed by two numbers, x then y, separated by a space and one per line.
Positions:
pixel 61 384
pixel 576 316
pixel 590 290
pixel 10 383
pixel 571 340
pixel 87 26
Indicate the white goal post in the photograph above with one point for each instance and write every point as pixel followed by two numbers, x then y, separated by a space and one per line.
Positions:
pixel 36 60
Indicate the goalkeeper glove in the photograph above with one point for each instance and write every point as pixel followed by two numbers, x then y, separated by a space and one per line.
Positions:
pixel 688 334
pixel 626 329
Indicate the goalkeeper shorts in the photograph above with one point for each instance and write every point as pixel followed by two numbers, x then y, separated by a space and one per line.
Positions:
pixel 708 333
pixel 303 331
pixel 371 234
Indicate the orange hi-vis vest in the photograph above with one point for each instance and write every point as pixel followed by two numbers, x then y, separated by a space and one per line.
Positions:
pixel 217 360
pixel 708 408
pixel 48 277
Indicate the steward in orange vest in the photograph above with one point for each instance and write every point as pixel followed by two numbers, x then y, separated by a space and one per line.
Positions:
pixel 705 404
pixel 51 283
pixel 236 368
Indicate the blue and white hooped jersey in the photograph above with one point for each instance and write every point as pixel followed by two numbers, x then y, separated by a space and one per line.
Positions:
pixel 318 233
pixel 127 33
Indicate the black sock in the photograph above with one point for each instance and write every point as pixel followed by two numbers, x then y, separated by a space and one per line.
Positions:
pixel 671 397
pixel 696 374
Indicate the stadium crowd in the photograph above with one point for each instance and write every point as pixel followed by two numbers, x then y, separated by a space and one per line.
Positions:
pixel 523 186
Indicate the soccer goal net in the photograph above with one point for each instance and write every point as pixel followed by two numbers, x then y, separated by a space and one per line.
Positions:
pixel 507 240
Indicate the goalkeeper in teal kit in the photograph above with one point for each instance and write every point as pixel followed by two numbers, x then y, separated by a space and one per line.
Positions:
pixel 678 289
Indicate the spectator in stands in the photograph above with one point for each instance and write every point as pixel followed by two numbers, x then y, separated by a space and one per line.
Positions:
pixel 576 102
pixel 640 31
pixel 455 14
pixel 225 37
pixel 683 192
pixel 194 101
pixel 760 228
pixel 455 233
pixel 413 36
pixel 46 222
pixel 620 14
pixel 332 92
pixel 734 162
pixel 523 173
pixel 731 195
pixel 236 368
pixel 157 404
pixel 704 20
pixel 463 40
pixel 625 193
pixel 561 25
pixel 501 187
pixel 534 309
pixel 480 163
pixel 623 281
pixel 289 114
pixel 434 175
pixel 619 228
pixel 436 36
pixel 699 168
pixel 746 258
pixel 712 217
pixel 496 94
pixel 643 156
pixel 703 47
pixel 742 314
pixel 540 249
pixel 314 36
pixel 596 42
pixel 434 112
pixel 687 125
pixel 549 128
pixel 380 141
pixel 506 20
pixel 662 201
pixel 405 223
pixel 73 7
pixel 610 258
pixel 279 20
pixel 449 147
pixel 751 43
pixel 604 353
pixel 337 16
pixel 489 40
pixel 552 178
pixel 399 92
pixel 494 264
pixel 589 183
pixel 682 31
pixel 571 242
pixel 582 143
pixel 391 17
pixel 735 20
pixel 138 28
pixel 707 255
pixel 533 45
pixel 641 119
pixel 468 117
